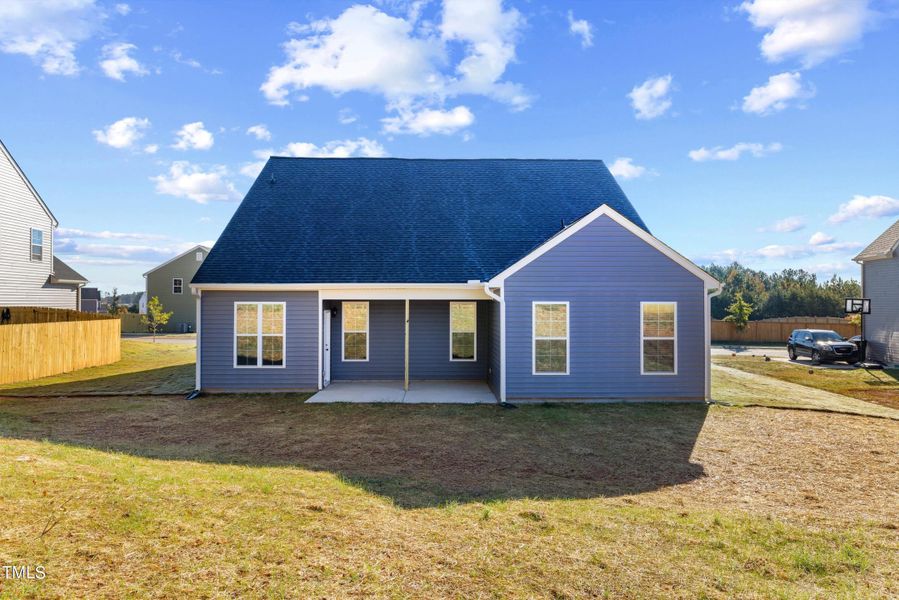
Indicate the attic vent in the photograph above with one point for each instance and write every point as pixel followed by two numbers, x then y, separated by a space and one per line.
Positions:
pixel 272 180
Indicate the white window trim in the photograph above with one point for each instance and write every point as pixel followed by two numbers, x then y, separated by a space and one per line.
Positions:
pixel 567 338
pixel 181 279
pixel 367 332
pixel 199 256
pixel 475 359
pixel 31 244
pixel 260 335
pixel 643 338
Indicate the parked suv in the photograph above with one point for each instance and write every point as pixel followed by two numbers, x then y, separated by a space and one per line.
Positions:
pixel 821 345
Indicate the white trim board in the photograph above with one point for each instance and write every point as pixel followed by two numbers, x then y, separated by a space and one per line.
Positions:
pixel 605 209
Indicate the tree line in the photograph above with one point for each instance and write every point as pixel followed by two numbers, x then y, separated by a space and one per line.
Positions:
pixel 790 293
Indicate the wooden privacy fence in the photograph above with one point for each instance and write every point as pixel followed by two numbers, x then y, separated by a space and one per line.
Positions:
pixel 131 323
pixel 34 350
pixel 778 330
pixel 42 314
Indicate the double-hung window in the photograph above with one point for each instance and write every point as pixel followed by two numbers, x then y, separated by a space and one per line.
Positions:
pixel 259 334
pixel 463 331
pixel 658 335
pixel 177 285
pixel 37 244
pixel 550 335
pixel 355 331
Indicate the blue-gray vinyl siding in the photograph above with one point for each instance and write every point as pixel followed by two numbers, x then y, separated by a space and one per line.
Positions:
pixel 429 343
pixel 881 280
pixel 216 341
pixel 494 354
pixel 604 272
pixel 386 348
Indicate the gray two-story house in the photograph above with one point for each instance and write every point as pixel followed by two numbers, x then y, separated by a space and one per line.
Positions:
pixel 880 283
pixel 170 281
pixel 536 279
pixel 30 273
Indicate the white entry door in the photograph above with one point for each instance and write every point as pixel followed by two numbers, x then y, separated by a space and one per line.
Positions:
pixel 326 348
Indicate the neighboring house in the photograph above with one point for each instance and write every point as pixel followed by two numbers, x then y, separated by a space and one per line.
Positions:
pixel 880 283
pixel 169 282
pixel 30 273
pixel 90 300
pixel 537 277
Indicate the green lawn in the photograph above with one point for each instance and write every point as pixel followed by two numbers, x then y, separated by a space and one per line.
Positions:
pixel 266 496
pixel 877 386
pixel 145 368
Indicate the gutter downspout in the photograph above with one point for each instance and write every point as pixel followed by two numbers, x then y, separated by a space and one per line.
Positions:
pixel 708 339
pixel 502 341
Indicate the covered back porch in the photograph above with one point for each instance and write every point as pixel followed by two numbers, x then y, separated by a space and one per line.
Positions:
pixel 377 347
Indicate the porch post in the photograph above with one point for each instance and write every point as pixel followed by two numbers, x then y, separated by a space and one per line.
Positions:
pixel 406 351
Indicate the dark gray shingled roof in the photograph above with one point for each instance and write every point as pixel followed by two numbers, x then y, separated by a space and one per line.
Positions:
pixel 883 246
pixel 386 220
pixel 63 273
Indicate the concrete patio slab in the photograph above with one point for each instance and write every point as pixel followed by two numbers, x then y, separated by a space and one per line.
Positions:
pixel 420 392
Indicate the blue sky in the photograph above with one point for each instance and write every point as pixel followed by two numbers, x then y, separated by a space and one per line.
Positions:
pixel 763 131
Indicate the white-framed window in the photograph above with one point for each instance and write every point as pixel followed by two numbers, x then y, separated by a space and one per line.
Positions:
pixel 355 331
pixel 37 244
pixel 463 331
pixel 199 257
pixel 550 338
pixel 259 340
pixel 658 338
pixel 177 285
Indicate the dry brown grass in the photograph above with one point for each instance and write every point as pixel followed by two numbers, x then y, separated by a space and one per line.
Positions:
pixel 262 496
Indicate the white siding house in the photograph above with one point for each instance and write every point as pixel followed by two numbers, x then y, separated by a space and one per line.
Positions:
pixel 28 271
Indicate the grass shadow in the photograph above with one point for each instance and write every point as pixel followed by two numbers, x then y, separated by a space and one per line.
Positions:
pixel 176 379
pixel 418 456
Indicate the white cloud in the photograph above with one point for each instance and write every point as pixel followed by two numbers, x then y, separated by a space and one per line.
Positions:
pixel 121 254
pixel 777 94
pixel 193 136
pixel 123 133
pixel 117 61
pixel 624 168
pixel 734 152
pixel 346 116
pixel 800 251
pixel 580 28
pixel 811 30
pixel 334 149
pixel 427 121
pixel 67 232
pixel 260 131
pixel 819 237
pixel 869 207
pixel 787 225
pixel 48 31
pixel 151 148
pixel 122 8
pixel 186 180
pixel 407 62
pixel 651 98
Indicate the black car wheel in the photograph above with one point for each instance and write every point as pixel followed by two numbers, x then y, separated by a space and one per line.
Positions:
pixel 816 357
pixel 791 351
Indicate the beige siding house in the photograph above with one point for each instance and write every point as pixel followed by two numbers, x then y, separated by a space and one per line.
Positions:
pixel 170 283
pixel 880 283
pixel 30 273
